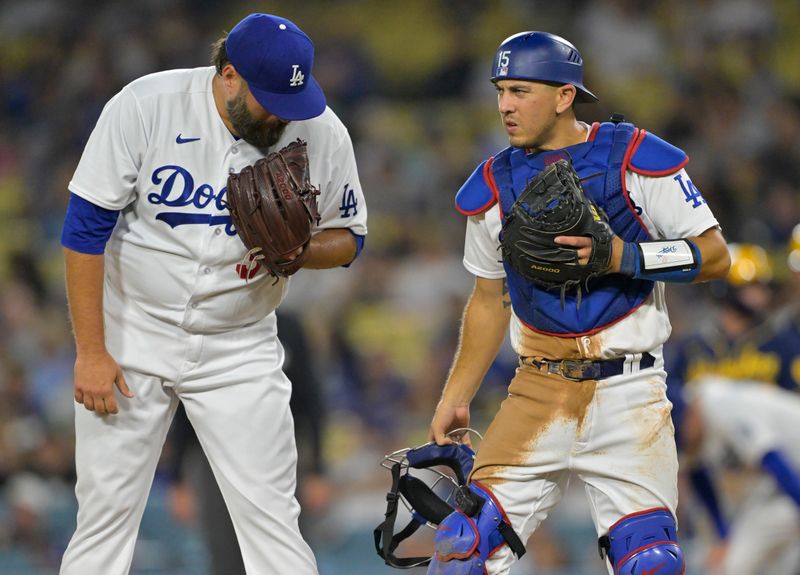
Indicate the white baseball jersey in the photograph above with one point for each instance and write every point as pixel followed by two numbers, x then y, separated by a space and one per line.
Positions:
pixel 666 215
pixel 750 419
pixel 175 252
pixel 185 321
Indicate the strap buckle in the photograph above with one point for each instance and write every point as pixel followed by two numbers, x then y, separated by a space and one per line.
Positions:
pixel 570 369
pixel 604 546
pixel 576 370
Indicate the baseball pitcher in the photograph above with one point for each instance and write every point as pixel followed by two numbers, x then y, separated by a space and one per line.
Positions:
pixel 199 193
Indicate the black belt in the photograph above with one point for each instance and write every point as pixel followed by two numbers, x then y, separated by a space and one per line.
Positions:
pixel 580 369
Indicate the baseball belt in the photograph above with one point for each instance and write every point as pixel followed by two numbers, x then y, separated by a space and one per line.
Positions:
pixel 581 369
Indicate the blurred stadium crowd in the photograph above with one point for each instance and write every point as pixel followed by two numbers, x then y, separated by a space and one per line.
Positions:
pixel 720 78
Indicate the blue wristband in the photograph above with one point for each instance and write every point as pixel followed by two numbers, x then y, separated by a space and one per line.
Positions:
pixel 677 261
pixel 359 246
pixel 629 265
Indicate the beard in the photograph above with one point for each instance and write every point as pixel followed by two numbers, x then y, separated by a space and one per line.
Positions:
pixel 259 133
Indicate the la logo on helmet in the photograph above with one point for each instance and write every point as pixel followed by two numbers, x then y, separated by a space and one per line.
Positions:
pixel 297 76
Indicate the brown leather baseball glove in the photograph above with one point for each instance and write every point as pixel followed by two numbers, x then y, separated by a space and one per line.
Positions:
pixel 274 208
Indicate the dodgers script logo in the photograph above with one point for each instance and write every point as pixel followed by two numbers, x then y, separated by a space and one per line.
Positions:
pixel 177 190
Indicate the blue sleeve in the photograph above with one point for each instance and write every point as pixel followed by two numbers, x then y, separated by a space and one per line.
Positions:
pixel 359 246
pixel 87 226
pixel 703 486
pixel 778 465
pixel 359 243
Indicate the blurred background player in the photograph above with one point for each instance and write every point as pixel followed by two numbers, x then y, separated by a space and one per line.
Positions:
pixel 733 307
pixel 746 426
pixel 750 328
pixel 773 349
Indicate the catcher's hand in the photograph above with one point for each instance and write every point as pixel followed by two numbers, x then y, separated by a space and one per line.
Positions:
pixel 274 208
pixel 553 204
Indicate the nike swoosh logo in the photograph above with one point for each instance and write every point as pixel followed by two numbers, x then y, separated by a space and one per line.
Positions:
pixel 654 569
pixel 180 140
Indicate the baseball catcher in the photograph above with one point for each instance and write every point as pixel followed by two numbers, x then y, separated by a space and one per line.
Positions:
pixel 640 224
pixel 274 207
pixel 554 204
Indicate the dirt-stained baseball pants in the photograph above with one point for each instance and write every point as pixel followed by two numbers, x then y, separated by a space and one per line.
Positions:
pixel 615 434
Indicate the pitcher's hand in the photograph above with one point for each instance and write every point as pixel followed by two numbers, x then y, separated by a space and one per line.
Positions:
pixel 96 374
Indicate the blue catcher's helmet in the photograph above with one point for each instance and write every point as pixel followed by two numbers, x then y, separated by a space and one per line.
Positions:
pixel 542 57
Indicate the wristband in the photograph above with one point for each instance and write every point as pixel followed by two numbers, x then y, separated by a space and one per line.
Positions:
pixel 662 260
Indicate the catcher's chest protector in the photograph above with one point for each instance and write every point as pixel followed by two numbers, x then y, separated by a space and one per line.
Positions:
pixel 599 164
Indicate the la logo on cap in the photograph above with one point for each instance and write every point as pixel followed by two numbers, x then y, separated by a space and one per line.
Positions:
pixel 297 76
pixel 276 60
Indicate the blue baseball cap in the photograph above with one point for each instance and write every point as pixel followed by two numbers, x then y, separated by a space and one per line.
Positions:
pixel 275 58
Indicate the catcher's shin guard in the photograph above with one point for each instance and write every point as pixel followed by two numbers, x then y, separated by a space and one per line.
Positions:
pixel 644 543
pixel 471 534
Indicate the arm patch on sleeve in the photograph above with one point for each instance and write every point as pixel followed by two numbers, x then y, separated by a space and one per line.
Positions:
pixel 656 157
pixel 476 195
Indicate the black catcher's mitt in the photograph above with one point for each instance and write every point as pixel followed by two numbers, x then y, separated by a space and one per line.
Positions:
pixel 554 204
pixel 274 207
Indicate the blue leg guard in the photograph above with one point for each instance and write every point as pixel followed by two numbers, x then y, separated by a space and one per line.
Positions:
pixel 464 543
pixel 644 543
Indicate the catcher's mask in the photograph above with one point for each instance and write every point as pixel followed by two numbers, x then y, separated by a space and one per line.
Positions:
pixel 429 494
pixel 542 57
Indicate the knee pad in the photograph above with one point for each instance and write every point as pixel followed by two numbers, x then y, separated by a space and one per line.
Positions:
pixel 644 543
pixel 466 538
